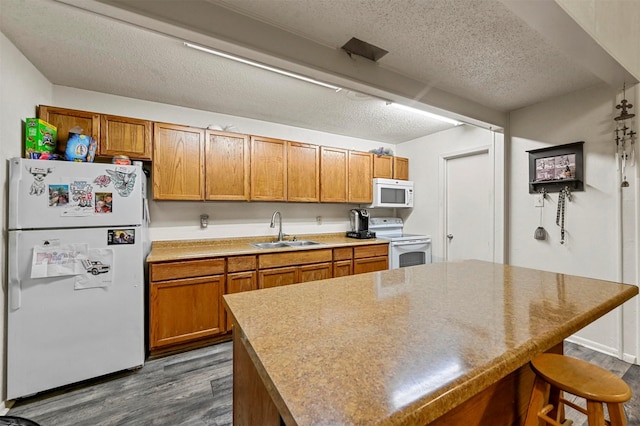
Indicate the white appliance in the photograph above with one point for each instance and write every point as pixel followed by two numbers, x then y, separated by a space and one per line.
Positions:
pixel 404 249
pixel 392 193
pixel 76 272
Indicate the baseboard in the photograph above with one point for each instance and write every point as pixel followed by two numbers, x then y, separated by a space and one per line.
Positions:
pixel 5 406
pixel 631 359
pixel 608 350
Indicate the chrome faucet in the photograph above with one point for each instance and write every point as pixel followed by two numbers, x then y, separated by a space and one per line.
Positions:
pixel 273 224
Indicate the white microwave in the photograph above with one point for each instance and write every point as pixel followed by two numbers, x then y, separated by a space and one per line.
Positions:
pixel 392 193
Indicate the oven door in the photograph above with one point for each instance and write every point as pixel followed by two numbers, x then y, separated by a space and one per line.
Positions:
pixel 409 253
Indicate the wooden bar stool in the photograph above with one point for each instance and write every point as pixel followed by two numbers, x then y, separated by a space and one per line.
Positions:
pixel 556 373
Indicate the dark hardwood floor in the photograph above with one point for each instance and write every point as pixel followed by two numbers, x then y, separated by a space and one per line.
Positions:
pixel 194 388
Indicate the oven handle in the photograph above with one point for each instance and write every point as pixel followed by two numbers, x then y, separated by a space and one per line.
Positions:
pixel 410 243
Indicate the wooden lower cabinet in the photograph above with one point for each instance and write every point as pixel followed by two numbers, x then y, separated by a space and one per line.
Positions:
pixel 342 268
pixel 370 258
pixel 320 271
pixel 185 310
pixel 276 277
pixel 238 282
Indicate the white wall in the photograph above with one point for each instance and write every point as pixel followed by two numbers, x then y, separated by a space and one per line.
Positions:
pixel 21 88
pixel 424 154
pixel 593 246
pixel 181 219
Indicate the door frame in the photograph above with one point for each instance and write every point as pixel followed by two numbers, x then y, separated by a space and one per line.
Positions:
pixel 443 200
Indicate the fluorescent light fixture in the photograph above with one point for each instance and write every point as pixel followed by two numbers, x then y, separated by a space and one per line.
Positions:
pixel 262 66
pixel 425 113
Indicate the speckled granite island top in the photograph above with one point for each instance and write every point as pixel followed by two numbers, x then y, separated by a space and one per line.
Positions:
pixel 408 345
pixel 162 251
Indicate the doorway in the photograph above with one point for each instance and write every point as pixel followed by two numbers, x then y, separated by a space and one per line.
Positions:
pixel 467 204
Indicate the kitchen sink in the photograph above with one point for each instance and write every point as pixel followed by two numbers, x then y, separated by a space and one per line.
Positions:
pixel 277 244
pixel 301 243
pixel 283 244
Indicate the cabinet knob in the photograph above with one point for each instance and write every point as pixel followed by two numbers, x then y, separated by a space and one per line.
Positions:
pixel 450 237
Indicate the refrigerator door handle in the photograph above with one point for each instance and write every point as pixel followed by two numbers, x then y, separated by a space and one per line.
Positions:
pixel 14 188
pixel 15 291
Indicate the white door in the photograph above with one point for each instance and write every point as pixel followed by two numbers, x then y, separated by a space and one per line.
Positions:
pixel 468 205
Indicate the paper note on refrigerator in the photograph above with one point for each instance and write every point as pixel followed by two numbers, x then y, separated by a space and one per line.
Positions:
pixel 98 270
pixel 55 261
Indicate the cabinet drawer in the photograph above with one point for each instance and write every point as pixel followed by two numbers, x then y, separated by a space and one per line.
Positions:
pixel 303 257
pixel 241 263
pixel 186 269
pixel 370 251
pixel 343 253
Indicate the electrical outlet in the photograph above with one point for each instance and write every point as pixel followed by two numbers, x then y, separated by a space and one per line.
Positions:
pixel 538 201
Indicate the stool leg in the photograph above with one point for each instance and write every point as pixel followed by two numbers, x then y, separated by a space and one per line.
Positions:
pixel 595 413
pixel 539 398
pixel 617 415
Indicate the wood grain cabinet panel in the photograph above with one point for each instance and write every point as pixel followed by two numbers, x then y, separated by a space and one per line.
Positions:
pixel 370 264
pixel 342 268
pixel 371 251
pixel 66 119
pixel 360 177
pixel 276 277
pixel 238 282
pixel 185 310
pixel 288 258
pixel 401 168
pixel 334 175
pixel 268 169
pixel 186 269
pixel 227 162
pixel 178 162
pixel 319 271
pixel 383 166
pixel 303 172
pixel 125 136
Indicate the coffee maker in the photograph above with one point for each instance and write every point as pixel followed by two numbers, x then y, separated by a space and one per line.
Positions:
pixel 360 224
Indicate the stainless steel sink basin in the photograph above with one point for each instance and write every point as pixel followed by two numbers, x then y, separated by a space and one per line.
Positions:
pixel 300 243
pixel 283 244
pixel 277 244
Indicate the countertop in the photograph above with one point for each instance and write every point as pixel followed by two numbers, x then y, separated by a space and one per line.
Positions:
pixel 407 345
pixel 163 251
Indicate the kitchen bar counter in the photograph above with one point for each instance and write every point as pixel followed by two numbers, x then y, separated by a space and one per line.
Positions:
pixel 162 251
pixel 446 343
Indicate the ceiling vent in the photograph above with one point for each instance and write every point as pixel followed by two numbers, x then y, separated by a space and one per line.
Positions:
pixel 364 49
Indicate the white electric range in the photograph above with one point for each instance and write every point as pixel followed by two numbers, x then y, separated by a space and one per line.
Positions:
pixel 404 249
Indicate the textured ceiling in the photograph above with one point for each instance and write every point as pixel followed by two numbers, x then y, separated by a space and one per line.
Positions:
pixel 475 49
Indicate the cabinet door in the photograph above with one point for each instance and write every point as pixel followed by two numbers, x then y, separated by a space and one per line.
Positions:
pixel 178 162
pixel 315 272
pixel 360 177
pixel 334 173
pixel 370 264
pixel 342 268
pixel 401 168
pixel 237 283
pixel 125 136
pixel 303 172
pixel 383 166
pixel 226 166
pixel 268 278
pixel 268 169
pixel 66 119
pixel 185 310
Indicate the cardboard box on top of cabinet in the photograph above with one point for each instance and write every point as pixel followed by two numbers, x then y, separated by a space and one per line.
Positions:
pixel 40 138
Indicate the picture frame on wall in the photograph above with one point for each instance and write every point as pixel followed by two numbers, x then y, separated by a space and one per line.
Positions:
pixel 554 168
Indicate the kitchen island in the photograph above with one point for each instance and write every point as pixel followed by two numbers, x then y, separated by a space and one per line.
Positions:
pixel 447 343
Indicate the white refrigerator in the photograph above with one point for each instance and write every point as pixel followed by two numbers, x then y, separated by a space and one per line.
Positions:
pixel 76 247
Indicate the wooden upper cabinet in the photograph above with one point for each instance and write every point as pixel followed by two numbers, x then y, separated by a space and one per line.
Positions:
pixel 390 167
pixel 226 166
pixel 383 166
pixel 401 168
pixel 66 119
pixel 125 136
pixel 303 172
pixel 334 175
pixel 268 169
pixel 360 177
pixel 178 162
